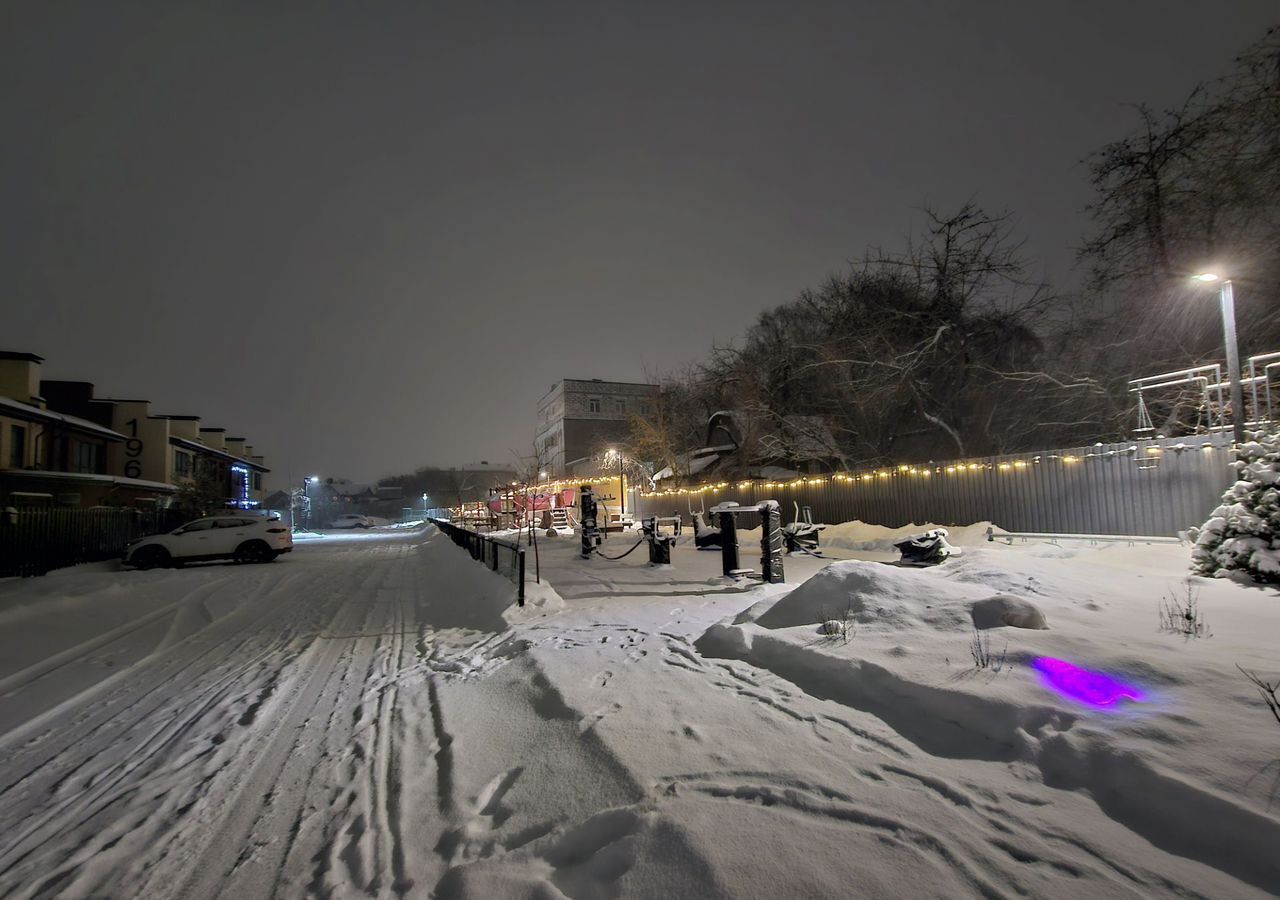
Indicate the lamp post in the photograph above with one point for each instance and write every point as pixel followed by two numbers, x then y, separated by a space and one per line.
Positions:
pixel 622 484
pixel 424 504
pixel 1228 302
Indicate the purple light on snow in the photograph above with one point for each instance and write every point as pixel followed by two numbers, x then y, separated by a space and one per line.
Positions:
pixel 1093 688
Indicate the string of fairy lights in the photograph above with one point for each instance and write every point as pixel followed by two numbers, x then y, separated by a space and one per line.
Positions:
pixel 931 471
pixel 879 474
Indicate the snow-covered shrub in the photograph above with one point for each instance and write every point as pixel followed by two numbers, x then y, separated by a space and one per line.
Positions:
pixel 839 627
pixel 983 657
pixel 1182 615
pixel 1269 691
pixel 1243 534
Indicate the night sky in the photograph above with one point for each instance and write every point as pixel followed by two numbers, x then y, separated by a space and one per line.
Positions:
pixel 369 238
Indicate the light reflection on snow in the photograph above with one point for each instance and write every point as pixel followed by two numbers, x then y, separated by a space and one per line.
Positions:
pixel 1095 689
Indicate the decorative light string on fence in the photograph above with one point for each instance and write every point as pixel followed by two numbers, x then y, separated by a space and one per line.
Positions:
pixel 927 471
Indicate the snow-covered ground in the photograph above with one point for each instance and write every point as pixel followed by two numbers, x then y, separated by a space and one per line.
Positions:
pixel 369 717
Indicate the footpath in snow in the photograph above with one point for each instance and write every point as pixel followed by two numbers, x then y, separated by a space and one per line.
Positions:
pixel 371 717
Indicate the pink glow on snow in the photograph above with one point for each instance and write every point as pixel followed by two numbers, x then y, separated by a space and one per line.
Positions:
pixel 1093 688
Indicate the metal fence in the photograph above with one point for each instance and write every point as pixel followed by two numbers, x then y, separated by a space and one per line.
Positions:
pixel 503 557
pixel 1147 487
pixel 36 541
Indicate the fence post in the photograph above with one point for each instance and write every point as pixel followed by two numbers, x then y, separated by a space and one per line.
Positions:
pixel 520 581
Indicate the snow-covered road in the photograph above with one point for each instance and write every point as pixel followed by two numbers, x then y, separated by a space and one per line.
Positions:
pixel 360 720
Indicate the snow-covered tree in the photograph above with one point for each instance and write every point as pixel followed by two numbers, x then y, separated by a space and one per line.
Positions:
pixel 1243 534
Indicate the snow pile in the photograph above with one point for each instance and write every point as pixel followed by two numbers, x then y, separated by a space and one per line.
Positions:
pixel 1001 610
pixel 1243 534
pixel 864 537
pixel 1186 745
pixel 874 593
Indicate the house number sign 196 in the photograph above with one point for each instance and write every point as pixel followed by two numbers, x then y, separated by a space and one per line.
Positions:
pixel 133 452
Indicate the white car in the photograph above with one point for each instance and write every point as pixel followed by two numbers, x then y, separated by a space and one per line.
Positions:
pixel 352 520
pixel 243 538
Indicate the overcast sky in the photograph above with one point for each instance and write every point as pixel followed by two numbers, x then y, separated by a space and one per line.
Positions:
pixel 369 237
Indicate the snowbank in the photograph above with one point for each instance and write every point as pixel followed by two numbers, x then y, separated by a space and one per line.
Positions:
pixel 1193 749
pixel 874 593
pixel 864 537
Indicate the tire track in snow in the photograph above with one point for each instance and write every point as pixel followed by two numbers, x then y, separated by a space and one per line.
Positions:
pixel 101 772
pixel 234 861
pixel 272 634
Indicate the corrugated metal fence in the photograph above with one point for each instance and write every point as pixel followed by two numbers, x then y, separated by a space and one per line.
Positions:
pixel 1150 487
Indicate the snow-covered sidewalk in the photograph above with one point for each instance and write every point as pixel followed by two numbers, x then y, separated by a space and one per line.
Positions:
pixel 370 718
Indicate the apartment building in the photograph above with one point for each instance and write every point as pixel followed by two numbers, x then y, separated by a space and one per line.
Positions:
pixel 62 445
pixel 578 419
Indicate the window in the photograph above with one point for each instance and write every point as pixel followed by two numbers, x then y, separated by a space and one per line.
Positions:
pixel 620 406
pixel 257 481
pixel 199 525
pixel 593 404
pixel 181 464
pixel 644 407
pixel 17 446
pixel 87 457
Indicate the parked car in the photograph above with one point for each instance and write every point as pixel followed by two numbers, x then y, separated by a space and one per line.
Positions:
pixel 245 539
pixel 352 520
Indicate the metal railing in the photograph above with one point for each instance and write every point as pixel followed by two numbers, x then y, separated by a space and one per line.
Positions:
pixel 503 557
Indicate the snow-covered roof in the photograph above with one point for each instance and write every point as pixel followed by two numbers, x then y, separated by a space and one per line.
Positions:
pixel 197 447
pixel 92 477
pixel 36 414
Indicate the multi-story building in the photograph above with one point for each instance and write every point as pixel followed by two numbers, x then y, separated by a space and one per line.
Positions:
pixel 577 419
pixel 60 444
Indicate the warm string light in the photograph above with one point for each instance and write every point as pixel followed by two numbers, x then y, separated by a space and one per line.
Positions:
pixel 910 471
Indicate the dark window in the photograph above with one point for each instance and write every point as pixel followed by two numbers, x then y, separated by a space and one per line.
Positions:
pixel 17 446
pixel 620 406
pixel 88 457
pixel 644 407
pixel 257 481
pixel 593 404
pixel 199 525
pixel 181 464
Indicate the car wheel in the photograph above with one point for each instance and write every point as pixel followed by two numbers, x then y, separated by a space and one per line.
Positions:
pixel 151 558
pixel 254 552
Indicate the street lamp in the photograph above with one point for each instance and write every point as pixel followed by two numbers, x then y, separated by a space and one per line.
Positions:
pixel 622 484
pixel 1228 303
pixel 424 504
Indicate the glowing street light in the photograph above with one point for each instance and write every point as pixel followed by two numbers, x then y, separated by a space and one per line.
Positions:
pixel 622 484
pixel 1227 300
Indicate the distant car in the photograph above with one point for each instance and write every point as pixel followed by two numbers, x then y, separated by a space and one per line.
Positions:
pixel 352 520
pixel 245 539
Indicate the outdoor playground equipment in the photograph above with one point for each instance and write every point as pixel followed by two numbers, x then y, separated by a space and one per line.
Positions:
pixel 770 518
pixel 926 549
pixel 650 531
pixel 801 536
pixel 704 536
pixel 771 535
pixel 659 543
